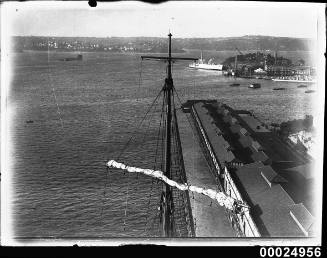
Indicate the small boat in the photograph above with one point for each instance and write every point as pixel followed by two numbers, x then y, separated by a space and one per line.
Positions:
pixel 78 58
pixel 278 88
pixel 234 84
pixel 309 91
pixel 29 121
pixel 302 86
pixel 255 86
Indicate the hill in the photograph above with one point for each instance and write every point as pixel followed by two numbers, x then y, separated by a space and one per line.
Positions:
pixel 153 44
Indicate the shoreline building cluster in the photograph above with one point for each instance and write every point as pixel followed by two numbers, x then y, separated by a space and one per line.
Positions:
pixel 84 44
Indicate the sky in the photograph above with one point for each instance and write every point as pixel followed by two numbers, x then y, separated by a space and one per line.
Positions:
pixel 183 19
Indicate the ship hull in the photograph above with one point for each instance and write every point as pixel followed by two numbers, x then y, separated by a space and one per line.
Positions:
pixel 207 67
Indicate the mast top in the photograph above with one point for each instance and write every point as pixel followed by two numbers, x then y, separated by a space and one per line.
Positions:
pixel 169 59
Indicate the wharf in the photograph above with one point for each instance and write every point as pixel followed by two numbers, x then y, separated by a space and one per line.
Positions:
pixel 210 219
pixel 255 167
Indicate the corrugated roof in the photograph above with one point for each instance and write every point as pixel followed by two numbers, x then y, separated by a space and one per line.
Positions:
pixel 220 146
pixel 259 156
pixel 226 118
pixel 245 141
pixel 234 120
pixel 271 176
pixel 235 128
pixel 277 222
pixel 270 206
pixel 256 145
pixel 217 130
pixel 243 131
pixel 253 123
pixel 302 217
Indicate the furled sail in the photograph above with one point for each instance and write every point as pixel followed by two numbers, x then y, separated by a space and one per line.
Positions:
pixel 222 199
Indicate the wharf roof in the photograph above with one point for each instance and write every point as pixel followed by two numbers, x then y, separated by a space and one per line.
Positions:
pixel 244 132
pixel 270 205
pixel 217 130
pixel 220 146
pixel 260 156
pixel 227 118
pixel 256 145
pixel 253 123
pixel 234 120
pixel 245 141
pixel 271 176
pixel 235 128
pixel 302 217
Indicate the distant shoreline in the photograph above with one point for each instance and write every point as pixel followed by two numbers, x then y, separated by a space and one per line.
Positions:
pixel 96 51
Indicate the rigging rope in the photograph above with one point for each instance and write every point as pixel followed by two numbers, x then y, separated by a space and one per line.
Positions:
pixel 155 161
pixel 131 138
pixel 140 78
pixel 126 202
pixel 53 90
pixel 222 199
pixel 120 154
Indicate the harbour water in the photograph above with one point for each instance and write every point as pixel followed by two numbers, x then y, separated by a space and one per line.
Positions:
pixel 83 114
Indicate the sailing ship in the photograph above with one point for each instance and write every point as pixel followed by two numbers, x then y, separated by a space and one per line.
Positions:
pixel 172 147
pixel 201 64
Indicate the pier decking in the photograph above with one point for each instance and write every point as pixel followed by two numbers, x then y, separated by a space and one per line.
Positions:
pixel 210 219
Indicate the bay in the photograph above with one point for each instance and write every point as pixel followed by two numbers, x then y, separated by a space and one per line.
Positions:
pixel 84 113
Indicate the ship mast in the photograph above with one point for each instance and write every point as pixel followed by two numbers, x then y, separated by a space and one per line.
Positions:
pixel 166 204
pixel 167 194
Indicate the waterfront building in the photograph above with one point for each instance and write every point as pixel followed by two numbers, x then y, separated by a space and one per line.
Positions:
pixel 268 183
pixel 272 210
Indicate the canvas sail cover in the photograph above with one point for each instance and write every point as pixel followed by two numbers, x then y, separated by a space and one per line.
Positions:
pixel 222 199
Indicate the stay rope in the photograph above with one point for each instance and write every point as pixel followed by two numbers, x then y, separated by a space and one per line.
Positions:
pixel 53 90
pixel 120 154
pixel 140 77
pixel 137 128
pixel 155 161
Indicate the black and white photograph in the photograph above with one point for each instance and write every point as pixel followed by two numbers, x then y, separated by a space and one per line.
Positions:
pixel 177 123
